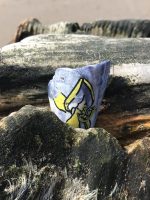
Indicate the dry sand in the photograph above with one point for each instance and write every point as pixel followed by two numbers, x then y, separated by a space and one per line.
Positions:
pixel 12 12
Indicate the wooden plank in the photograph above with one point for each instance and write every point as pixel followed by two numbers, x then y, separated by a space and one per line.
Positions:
pixel 37 57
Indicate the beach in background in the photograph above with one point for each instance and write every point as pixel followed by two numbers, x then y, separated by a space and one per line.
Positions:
pixel 12 12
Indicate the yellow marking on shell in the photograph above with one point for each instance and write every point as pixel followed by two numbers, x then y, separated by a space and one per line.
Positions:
pixel 59 101
pixel 73 93
pixel 62 103
pixel 73 120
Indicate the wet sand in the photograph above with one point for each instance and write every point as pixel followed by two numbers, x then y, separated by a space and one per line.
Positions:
pixel 12 12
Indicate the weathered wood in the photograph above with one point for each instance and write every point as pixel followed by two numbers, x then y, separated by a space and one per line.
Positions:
pixel 36 145
pixel 37 135
pixel 33 26
pixel 26 68
pixel 126 110
pixel 15 98
pixel 27 28
pixel 119 28
pixel 37 57
pixel 108 28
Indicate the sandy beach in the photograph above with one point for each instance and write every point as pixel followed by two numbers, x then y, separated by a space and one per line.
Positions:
pixel 12 12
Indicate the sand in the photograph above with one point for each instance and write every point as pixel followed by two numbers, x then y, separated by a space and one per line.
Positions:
pixel 12 12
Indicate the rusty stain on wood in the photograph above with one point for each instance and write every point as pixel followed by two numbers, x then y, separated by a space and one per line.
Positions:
pixel 125 126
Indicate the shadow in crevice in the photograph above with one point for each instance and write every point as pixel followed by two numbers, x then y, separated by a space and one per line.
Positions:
pixel 17 76
pixel 123 97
